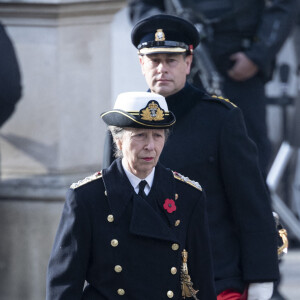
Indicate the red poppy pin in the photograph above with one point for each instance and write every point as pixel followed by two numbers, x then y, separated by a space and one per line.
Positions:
pixel 169 205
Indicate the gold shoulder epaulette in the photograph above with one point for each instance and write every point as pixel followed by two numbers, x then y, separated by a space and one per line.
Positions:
pixel 225 99
pixel 86 180
pixel 193 183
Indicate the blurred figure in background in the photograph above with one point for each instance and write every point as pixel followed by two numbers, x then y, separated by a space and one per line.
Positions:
pixel 243 38
pixel 10 78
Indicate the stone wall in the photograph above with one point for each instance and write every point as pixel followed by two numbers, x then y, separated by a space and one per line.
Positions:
pixel 55 136
pixel 27 232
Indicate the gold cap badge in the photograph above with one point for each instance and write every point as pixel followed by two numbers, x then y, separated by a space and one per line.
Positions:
pixel 159 35
pixel 152 112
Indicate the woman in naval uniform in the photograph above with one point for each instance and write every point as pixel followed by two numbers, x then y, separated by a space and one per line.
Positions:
pixel 136 230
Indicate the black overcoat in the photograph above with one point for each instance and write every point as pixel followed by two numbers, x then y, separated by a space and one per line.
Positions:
pixel 125 246
pixel 210 145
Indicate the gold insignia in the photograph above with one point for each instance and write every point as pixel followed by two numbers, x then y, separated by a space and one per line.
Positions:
pixel 185 279
pixel 225 99
pixel 285 243
pixel 86 180
pixel 193 183
pixel 160 35
pixel 152 112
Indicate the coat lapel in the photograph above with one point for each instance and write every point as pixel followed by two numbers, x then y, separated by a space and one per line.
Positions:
pixel 164 187
pixel 156 223
pixel 145 220
pixel 118 188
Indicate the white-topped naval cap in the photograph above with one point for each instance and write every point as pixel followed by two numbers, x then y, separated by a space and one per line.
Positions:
pixel 139 109
pixel 135 101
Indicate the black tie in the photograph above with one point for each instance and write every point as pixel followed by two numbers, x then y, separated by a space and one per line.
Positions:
pixel 142 185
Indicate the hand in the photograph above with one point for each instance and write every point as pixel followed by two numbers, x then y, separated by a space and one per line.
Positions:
pixel 243 67
pixel 260 291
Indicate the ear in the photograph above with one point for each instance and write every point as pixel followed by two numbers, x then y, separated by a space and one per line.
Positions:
pixel 141 59
pixel 188 61
pixel 119 144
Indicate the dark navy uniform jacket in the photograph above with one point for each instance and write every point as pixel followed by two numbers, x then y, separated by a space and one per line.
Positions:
pixel 127 247
pixel 210 144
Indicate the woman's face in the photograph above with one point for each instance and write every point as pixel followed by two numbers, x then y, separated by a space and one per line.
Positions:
pixel 141 149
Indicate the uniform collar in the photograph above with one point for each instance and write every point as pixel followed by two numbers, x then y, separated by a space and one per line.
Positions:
pixel 135 180
pixel 184 96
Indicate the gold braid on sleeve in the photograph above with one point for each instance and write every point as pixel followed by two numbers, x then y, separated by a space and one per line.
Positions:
pixel 186 283
pixel 283 242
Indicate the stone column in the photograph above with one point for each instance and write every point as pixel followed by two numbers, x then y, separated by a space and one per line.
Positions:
pixel 55 136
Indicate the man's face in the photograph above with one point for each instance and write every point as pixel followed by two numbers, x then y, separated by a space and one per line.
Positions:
pixel 141 149
pixel 165 73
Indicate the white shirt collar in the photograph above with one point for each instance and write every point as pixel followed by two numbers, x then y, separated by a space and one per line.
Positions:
pixel 135 180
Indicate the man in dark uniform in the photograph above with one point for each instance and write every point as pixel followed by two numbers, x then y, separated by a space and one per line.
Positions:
pixel 136 230
pixel 210 143
pixel 243 38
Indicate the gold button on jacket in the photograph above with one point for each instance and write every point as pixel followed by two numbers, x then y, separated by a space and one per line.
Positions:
pixel 118 269
pixel 110 218
pixel 170 294
pixel 121 292
pixel 114 243
pixel 175 247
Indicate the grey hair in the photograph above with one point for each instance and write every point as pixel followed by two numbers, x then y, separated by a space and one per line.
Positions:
pixel 118 133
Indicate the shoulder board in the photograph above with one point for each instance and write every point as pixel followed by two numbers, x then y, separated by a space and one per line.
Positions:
pixel 223 100
pixel 182 178
pixel 86 180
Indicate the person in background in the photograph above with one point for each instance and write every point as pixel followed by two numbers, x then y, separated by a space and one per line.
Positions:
pixel 210 144
pixel 10 78
pixel 136 230
pixel 243 39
